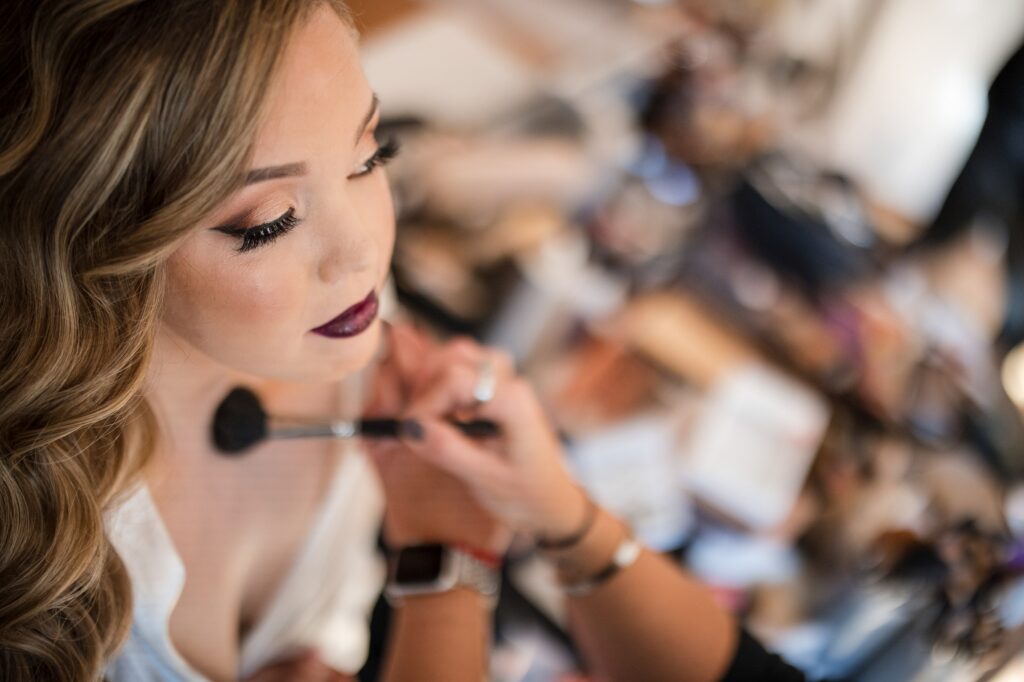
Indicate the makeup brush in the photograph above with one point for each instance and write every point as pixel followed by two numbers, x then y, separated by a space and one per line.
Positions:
pixel 240 422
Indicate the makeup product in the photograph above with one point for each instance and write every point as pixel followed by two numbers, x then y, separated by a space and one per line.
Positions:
pixel 355 320
pixel 240 422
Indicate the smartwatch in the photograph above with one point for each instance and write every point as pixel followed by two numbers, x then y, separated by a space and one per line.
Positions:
pixel 433 568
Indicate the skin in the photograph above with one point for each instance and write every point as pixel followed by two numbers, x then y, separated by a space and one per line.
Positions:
pixel 221 301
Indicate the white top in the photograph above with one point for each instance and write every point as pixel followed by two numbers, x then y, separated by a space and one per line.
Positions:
pixel 324 601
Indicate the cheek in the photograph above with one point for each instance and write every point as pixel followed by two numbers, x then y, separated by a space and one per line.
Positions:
pixel 259 303
pixel 221 306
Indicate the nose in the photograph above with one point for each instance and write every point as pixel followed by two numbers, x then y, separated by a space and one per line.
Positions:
pixel 347 245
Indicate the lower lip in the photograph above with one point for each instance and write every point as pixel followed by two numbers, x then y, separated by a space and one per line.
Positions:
pixel 353 321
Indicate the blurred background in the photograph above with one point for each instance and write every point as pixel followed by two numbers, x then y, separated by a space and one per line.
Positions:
pixel 764 262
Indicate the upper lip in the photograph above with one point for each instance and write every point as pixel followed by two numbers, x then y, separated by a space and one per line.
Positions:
pixel 350 311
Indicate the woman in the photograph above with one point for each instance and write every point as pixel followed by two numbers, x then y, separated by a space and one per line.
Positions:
pixel 190 195
pixel 191 199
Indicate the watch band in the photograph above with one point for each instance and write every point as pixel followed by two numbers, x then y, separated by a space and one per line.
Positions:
pixel 478 575
pixel 460 569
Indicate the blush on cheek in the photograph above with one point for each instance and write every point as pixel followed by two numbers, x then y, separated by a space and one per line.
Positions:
pixel 244 317
pixel 258 324
pixel 262 305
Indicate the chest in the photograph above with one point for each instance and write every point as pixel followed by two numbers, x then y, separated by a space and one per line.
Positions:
pixel 238 526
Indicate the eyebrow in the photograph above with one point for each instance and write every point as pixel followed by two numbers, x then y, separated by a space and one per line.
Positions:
pixel 275 172
pixel 294 169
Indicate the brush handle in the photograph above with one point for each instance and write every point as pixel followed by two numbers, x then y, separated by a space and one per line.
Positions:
pixel 374 428
pixel 338 429
pixel 391 428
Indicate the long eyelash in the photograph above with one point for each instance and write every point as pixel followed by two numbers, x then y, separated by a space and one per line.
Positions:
pixel 259 235
pixel 387 150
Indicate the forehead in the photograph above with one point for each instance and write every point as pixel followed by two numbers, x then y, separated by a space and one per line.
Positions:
pixel 319 95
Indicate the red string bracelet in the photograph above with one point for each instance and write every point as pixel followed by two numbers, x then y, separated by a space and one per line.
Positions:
pixel 489 559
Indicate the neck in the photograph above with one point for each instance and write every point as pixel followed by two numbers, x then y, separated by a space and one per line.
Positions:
pixel 184 387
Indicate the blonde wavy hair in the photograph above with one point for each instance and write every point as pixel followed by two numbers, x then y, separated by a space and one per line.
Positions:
pixel 122 123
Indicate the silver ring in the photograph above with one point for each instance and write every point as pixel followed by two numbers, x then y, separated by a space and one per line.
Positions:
pixel 486 384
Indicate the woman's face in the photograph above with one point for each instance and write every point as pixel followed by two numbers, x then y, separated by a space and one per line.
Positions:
pixel 316 189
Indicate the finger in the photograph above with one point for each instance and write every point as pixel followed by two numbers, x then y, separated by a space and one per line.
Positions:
pixel 436 362
pixel 445 447
pixel 449 391
pixel 471 352
pixel 466 351
pixel 453 391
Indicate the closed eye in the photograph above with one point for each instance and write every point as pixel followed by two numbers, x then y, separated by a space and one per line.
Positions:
pixel 258 235
pixel 385 152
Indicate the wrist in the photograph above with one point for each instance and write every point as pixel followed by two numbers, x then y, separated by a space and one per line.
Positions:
pixel 453 611
pixel 592 553
pixel 565 515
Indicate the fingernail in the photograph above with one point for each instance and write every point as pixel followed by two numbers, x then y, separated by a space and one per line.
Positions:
pixel 412 430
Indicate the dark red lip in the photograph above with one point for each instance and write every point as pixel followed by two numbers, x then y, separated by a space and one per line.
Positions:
pixel 353 321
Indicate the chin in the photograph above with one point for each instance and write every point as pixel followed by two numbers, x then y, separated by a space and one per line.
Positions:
pixel 351 355
pixel 316 360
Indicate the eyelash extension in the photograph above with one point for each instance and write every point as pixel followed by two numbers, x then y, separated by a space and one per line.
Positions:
pixel 254 237
pixel 385 152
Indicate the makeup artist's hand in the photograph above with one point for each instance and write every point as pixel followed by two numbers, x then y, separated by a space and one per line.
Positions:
pixel 425 503
pixel 520 477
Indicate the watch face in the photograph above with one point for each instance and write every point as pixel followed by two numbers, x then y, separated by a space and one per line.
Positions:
pixel 420 564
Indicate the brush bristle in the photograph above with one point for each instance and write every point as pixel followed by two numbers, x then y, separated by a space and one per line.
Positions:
pixel 239 422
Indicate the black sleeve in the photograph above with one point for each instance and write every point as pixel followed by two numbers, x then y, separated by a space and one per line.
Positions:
pixel 753 663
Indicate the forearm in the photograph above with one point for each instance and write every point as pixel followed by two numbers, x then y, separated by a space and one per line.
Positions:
pixel 442 637
pixel 650 621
